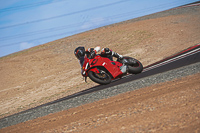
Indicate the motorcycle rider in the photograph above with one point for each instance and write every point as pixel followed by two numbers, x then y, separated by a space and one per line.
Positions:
pixel 80 52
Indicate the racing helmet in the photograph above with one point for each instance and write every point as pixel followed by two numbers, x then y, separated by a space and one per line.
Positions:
pixel 79 52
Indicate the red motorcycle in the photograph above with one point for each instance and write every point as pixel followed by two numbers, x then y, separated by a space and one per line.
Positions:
pixel 102 70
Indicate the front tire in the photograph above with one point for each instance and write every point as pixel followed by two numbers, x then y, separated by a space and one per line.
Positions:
pixel 100 78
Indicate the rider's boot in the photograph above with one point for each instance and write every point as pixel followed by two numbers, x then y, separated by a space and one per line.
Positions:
pixel 123 69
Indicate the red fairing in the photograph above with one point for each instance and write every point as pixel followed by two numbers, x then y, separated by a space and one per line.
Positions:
pixel 113 67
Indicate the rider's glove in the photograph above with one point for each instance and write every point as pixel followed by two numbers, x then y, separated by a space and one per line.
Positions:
pixel 92 54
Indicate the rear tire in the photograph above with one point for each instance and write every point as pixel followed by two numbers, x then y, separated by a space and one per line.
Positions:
pixel 100 78
pixel 134 66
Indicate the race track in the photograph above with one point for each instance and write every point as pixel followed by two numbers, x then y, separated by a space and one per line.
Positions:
pixel 182 64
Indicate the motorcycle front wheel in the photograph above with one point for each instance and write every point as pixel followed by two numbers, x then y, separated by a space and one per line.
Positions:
pixel 101 78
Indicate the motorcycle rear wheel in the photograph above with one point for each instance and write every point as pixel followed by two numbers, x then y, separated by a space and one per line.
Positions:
pixel 135 66
pixel 100 78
